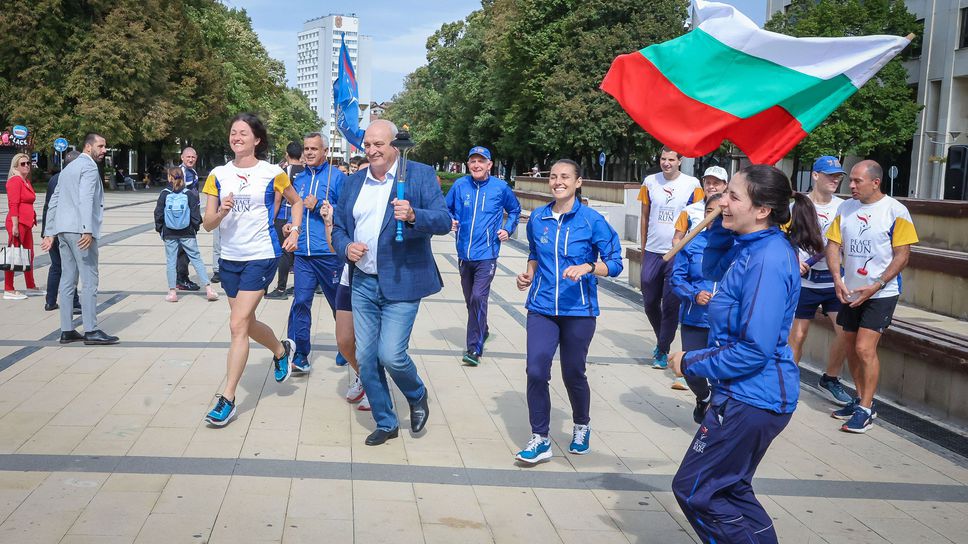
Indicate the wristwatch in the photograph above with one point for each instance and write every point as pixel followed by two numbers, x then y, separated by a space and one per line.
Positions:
pixel 880 281
pixel 592 271
pixel 294 228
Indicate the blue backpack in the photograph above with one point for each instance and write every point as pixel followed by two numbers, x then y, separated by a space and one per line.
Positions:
pixel 177 214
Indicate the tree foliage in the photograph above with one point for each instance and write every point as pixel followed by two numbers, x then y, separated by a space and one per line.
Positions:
pixel 881 118
pixel 522 76
pixel 141 71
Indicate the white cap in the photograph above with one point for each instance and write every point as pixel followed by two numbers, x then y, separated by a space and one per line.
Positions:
pixel 717 172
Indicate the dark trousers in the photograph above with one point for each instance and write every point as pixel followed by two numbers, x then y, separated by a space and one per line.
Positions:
pixel 661 304
pixel 286 260
pixel 181 266
pixel 475 279
pixel 694 338
pixel 545 334
pixel 713 484
pixel 54 276
pixel 310 272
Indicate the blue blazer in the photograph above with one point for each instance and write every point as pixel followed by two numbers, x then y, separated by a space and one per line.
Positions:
pixel 406 270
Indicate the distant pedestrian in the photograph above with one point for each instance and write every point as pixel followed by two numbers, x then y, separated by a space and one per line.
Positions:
pixel 21 219
pixel 190 176
pixel 177 218
pixel 283 216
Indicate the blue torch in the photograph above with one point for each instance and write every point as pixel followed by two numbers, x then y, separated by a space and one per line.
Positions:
pixel 404 144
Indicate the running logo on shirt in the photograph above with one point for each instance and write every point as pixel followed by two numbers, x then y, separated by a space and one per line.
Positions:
pixel 245 181
pixel 544 236
pixel 670 194
pixel 866 220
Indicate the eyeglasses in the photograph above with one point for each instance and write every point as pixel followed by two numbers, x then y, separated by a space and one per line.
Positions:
pixel 24 164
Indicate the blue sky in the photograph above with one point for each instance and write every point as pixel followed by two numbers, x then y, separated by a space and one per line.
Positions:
pixel 399 29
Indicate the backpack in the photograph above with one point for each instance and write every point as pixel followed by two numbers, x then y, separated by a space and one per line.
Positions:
pixel 177 215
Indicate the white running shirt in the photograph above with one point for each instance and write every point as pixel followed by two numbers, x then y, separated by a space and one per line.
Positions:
pixel 825 217
pixel 666 199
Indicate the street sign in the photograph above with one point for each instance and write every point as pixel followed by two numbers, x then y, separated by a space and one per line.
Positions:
pixel 601 159
pixel 60 145
pixel 892 172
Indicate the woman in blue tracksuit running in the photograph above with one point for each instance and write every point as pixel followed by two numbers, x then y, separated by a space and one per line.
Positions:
pixel 570 244
pixel 751 369
pixel 695 291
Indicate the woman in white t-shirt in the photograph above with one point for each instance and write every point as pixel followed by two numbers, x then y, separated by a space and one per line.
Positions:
pixel 244 193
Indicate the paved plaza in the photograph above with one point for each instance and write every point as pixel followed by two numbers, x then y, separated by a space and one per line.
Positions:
pixel 107 444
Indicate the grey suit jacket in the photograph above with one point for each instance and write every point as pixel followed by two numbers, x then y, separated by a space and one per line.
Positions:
pixel 77 204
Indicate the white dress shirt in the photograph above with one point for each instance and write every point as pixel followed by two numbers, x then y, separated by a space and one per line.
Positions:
pixel 369 211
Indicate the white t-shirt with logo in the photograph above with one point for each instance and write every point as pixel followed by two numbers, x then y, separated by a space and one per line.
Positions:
pixel 691 216
pixel 825 217
pixel 247 232
pixel 868 234
pixel 666 199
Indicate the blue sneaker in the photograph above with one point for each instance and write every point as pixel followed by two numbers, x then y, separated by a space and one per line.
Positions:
pixel 537 450
pixel 579 439
pixel 281 369
pixel 223 412
pixel 300 363
pixel 847 411
pixel 860 422
pixel 832 388
pixel 340 360
pixel 661 361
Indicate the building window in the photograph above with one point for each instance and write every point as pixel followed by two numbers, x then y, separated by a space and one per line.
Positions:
pixel 914 51
pixel 963 38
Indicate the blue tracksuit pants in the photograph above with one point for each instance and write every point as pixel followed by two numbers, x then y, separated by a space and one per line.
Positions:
pixel 475 280
pixel 310 272
pixel 714 481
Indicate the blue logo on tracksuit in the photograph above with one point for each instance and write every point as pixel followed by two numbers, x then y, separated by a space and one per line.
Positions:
pixel 479 208
pixel 325 182
pixel 748 357
pixel 578 237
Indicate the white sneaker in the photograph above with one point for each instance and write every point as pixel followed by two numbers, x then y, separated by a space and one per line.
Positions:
pixel 13 295
pixel 35 292
pixel 364 405
pixel 355 393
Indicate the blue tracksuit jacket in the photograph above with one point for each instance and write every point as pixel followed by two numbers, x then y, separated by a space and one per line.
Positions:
pixel 312 235
pixel 687 281
pixel 578 237
pixel 479 208
pixel 749 319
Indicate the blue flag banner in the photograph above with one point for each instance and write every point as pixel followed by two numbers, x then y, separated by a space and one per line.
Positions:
pixel 347 99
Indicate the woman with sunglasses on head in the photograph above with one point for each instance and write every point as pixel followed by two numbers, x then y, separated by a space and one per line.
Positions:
pixel 21 219
pixel 244 191
pixel 749 364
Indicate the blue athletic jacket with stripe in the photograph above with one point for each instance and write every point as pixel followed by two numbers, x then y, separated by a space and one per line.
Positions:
pixel 687 281
pixel 748 358
pixel 325 182
pixel 579 236
pixel 479 209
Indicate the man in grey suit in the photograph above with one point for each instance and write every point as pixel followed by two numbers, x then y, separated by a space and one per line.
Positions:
pixel 74 216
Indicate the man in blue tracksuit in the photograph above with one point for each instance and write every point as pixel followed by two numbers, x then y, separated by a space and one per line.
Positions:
pixel 315 264
pixel 477 205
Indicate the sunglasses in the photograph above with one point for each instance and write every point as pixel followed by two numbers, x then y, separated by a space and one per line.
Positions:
pixel 24 164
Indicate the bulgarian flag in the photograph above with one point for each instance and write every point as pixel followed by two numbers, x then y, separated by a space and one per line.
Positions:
pixel 729 79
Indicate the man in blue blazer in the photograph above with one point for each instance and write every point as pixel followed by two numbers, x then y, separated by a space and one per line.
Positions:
pixel 389 278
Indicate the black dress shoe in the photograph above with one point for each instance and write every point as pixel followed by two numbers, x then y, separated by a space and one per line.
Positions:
pixel 418 414
pixel 99 338
pixel 51 307
pixel 380 436
pixel 76 310
pixel 215 278
pixel 68 337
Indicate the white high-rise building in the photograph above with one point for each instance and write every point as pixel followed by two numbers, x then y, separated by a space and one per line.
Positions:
pixel 317 67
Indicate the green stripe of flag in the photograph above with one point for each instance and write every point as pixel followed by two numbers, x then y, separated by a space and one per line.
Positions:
pixel 807 98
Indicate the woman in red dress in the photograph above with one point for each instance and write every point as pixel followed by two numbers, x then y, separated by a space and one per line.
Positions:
pixel 21 219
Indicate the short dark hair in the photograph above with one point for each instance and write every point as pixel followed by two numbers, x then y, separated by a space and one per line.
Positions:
pixel 769 187
pixel 294 149
pixel 71 155
pixel 90 138
pixel 356 161
pixel 258 130
pixel 875 171
pixel 667 149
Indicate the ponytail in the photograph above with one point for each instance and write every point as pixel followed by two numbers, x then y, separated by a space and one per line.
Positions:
pixel 804 232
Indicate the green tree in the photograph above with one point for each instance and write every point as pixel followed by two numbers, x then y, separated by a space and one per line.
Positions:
pixel 881 118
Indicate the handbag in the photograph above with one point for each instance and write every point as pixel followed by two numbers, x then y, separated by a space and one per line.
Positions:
pixel 15 259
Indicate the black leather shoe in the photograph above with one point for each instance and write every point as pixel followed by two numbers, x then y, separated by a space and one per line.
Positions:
pixel 51 307
pixel 69 337
pixel 277 294
pixel 418 414
pixel 99 338
pixel 76 310
pixel 380 436
pixel 215 278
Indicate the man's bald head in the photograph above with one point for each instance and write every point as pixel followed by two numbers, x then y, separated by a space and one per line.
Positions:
pixel 376 144
pixel 865 181
pixel 384 128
